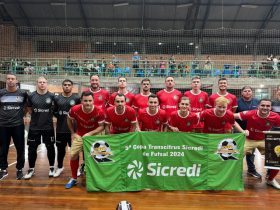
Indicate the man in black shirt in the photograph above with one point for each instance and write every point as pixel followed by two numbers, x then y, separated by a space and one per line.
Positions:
pixel 40 105
pixel 62 104
pixel 12 104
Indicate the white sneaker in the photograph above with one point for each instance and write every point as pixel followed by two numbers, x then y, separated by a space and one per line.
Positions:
pixel 30 173
pixel 273 183
pixel 58 172
pixel 51 172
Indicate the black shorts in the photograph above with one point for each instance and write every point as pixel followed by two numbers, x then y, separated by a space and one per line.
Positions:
pixel 34 137
pixel 62 139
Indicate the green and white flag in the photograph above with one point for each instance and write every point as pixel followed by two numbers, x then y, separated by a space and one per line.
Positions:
pixel 164 161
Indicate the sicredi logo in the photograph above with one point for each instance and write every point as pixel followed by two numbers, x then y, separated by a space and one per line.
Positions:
pixel 135 170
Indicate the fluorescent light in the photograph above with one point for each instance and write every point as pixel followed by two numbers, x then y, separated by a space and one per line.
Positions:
pixel 121 4
pixel 58 4
pixel 250 6
pixel 184 5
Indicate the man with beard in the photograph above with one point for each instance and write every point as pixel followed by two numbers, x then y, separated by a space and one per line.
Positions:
pixel 120 118
pixel 89 121
pixel 169 97
pixel 152 118
pixel 259 120
pixel 232 101
pixel 101 96
pixel 62 104
pixel 141 99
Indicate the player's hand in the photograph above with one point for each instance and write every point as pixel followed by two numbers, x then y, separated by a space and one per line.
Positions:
pixel 75 136
pixel 246 132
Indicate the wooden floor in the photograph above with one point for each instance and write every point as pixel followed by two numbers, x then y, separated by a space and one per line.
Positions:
pixel 42 192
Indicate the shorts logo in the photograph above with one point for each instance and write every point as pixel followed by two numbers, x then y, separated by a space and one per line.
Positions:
pixel 135 169
pixel 100 151
pixel 227 148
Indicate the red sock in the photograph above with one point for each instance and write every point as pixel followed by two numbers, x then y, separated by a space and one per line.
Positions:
pixel 74 164
pixel 272 174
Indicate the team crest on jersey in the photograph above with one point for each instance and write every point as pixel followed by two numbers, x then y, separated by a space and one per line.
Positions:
pixel 60 112
pixel 127 100
pixel 229 101
pixel 48 100
pixel 200 100
pixel 126 120
pixel 223 122
pixel 92 119
pixel 267 124
pixel 72 102
pixel 18 99
pixel 175 97
pixel 157 122
pixel 188 124
pixel 163 107
pixel 100 97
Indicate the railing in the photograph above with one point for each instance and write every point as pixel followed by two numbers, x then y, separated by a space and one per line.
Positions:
pixel 141 68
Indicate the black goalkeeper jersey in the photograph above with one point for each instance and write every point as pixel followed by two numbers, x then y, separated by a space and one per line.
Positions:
pixel 62 106
pixel 12 107
pixel 42 105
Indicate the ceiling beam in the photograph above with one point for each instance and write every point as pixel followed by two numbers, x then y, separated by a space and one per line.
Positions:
pixel 83 13
pixel 270 14
pixel 22 12
pixel 4 15
pixel 206 14
pixel 231 25
pixel 191 17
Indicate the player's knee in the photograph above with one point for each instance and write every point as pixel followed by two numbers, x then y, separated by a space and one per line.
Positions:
pixel 74 156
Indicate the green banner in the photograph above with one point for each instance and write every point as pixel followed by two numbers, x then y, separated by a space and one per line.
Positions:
pixel 164 161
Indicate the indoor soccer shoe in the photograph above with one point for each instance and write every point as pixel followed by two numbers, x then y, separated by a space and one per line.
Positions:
pixel 72 182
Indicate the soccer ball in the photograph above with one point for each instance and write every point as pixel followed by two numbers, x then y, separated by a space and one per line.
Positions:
pixel 227 147
pixel 100 150
pixel 124 205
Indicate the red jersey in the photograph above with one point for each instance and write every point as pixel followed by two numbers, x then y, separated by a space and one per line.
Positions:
pixel 231 99
pixel 120 123
pixel 129 98
pixel 215 124
pixel 184 124
pixel 148 122
pixel 256 124
pixel 140 101
pixel 86 122
pixel 169 100
pixel 198 103
pixel 101 98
